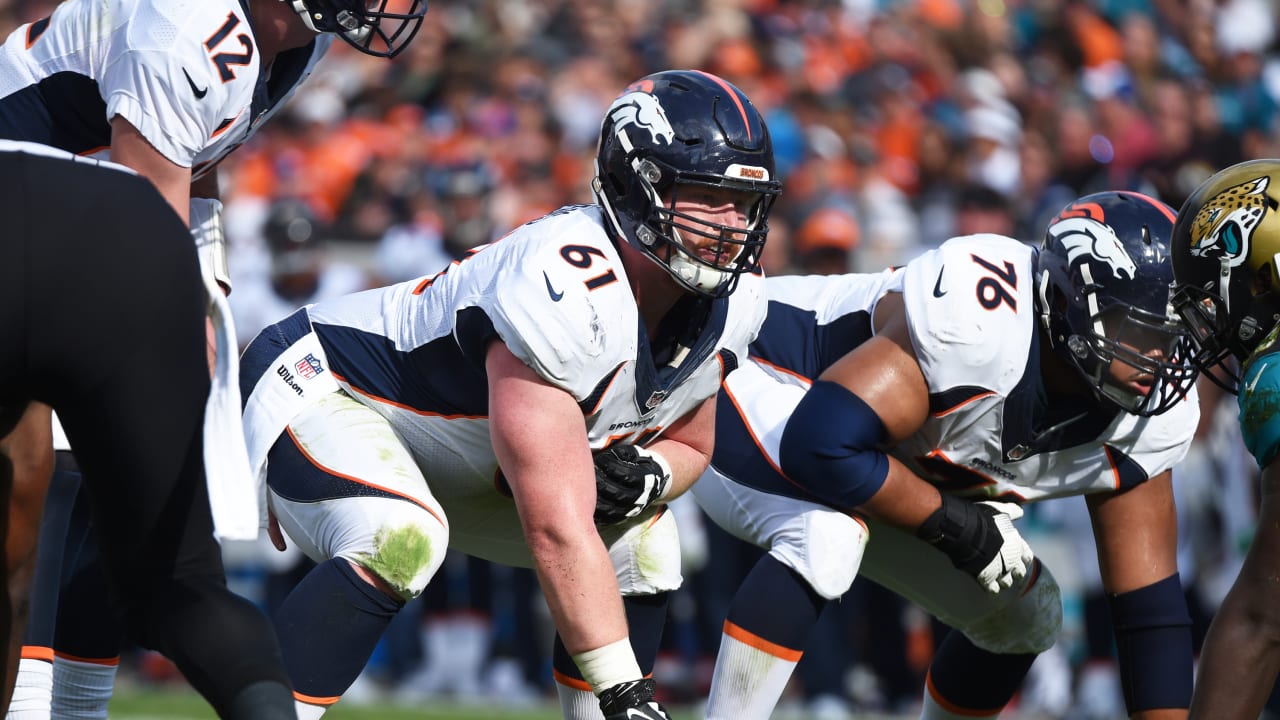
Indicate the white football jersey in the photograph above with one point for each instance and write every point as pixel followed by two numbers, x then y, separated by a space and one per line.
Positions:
pixel 186 73
pixel 990 431
pixel 556 293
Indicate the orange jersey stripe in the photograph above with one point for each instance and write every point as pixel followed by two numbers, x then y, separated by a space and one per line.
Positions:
pixel 415 411
pixel 975 398
pixel 352 478
pixel 807 382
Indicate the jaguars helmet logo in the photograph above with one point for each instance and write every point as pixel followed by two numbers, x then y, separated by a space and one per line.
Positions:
pixel 1224 226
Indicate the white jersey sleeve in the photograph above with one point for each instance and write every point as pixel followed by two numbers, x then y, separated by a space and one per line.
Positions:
pixel 970 312
pixel 565 309
pixel 181 73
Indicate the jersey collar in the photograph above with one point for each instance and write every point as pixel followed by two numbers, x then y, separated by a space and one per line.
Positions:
pixel 653 382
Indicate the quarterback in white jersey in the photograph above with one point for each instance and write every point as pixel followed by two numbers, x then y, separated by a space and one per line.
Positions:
pixel 169 88
pixel 995 373
pixel 559 379
pixel 107 232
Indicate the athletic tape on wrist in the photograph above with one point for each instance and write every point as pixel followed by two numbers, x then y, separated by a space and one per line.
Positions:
pixel 609 665
pixel 666 470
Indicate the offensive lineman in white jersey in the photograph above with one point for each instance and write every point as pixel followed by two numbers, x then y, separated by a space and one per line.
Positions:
pixel 998 374
pixel 168 89
pixel 480 407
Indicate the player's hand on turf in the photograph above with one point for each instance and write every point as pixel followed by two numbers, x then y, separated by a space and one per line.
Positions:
pixel 632 701
pixel 981 540
pixel 628 480
pixel 273 532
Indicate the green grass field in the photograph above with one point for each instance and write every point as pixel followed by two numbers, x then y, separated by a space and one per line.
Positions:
pixel 178 703
pixel 181 704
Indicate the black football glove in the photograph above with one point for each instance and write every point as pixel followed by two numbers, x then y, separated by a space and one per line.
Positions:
pixel 628 480
pixel 980 539
pixel 633 701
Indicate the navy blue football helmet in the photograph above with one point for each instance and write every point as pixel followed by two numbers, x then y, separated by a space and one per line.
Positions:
pixel 676 130
pixel 1103 285
pixel 361 22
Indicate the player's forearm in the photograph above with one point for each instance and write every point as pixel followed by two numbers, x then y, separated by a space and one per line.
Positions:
pixel 904 500
pixel 581 590
pixel 1222 690
pixel 1243 635
pixel 687 465
pixel 687 447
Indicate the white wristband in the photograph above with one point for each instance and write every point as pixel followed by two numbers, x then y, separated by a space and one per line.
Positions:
pixel 610 665
pixel 657 457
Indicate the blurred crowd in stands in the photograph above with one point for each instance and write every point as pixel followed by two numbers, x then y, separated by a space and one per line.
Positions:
pixel 896 124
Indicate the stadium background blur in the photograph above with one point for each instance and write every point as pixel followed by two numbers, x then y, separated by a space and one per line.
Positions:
pixel 896 124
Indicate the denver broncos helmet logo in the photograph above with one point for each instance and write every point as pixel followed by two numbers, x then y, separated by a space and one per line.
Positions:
pixel 643 111
pixel 1223 228
pixel 1085 236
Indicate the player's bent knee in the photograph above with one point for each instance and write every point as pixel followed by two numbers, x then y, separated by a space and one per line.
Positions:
pixel 405 555
pixel 826 550
pixel 1029 624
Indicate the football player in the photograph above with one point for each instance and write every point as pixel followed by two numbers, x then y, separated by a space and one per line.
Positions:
pixel 1001 375
pixel 475 408
pixel 101 315
pixel 168 89
pixel 1225 246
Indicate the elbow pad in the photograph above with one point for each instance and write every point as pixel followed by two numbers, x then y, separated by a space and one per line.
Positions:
pixel 211 242
pixel 830 447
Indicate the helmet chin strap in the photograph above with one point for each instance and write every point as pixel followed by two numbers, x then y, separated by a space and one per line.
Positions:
pixel 699 275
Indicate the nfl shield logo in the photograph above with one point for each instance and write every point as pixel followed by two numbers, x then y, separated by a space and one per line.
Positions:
pixel 309 367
